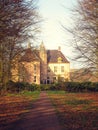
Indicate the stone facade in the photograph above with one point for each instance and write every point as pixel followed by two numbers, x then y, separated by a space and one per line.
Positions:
pixel 30 72
pixel 42 66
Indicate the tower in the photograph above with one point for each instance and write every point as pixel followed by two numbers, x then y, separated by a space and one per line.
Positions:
pixel 43 56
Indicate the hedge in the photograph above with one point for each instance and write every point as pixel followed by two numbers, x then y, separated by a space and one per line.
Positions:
pixel 81 87
pixel 66 86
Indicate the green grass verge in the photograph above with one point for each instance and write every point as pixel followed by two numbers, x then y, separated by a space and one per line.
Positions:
pixel 34 95
pixel 56 92
pixel 75 102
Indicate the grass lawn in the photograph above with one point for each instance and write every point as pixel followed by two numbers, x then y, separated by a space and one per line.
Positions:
pixel 76 111
pixel 12 106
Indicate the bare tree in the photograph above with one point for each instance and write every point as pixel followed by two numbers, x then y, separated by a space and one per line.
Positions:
pixel 85 34
pixel 19 20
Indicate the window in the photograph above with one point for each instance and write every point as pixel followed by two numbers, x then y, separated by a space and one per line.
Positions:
pixel 55 68
pixel 34 78
pixel 48 78
pixel 34 68
pixel 62 68
pixel 48 69
pixel 54 78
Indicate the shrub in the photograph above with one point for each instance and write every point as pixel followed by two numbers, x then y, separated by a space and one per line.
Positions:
pixel 17 86
pixel 45 87
pixel 96 86
pixel 81 87
pixel 72 86
pixel 1 89
pixel 34 87
pixel 66 86
pixel 10 86
pixel 93 87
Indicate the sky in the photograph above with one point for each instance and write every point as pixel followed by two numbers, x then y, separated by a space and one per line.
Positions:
pixel 56 13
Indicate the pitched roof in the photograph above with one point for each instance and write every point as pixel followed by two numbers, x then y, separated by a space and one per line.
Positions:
pixel 29 56
pixel 53 55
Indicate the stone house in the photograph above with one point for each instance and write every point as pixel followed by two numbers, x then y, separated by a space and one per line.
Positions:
pixel 43 66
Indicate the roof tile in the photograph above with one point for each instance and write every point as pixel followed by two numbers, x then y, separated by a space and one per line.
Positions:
pixel 53 56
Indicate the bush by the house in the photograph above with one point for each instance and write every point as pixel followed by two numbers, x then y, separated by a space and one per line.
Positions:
pixel 10 86
pixel 66 86
pixel 93 87
pixel 81 87
pixel 45 87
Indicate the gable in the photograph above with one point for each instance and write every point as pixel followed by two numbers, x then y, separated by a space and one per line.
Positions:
pixel 30 56
pixel 54 55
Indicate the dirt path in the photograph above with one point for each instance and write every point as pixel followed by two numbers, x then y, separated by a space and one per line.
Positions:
pixel 41 117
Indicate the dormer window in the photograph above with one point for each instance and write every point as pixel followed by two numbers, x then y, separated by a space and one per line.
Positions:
pixel 59 59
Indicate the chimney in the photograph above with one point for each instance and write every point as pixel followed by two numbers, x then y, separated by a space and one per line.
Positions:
pixel 29 45
pixel 59 48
